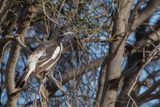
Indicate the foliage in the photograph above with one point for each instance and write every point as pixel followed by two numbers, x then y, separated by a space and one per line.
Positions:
pixel 110 56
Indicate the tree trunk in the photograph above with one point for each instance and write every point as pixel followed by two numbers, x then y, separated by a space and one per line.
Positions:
pixel 24 21
pixel 116 52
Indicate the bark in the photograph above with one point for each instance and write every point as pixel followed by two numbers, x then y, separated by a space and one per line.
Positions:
pixel 10 72
pixel 142 41
pixel 145 14
pixel 146 96
pixel 101 82
pixel 116 52
pixel 4 7
pixel 3 44
pixel 24 21
pixel 129 73
pixel 127 83
pixel 149 98
pixel 76 72
pixel 9 23
pixel 132 78
pixel 6 30
pixel 153 37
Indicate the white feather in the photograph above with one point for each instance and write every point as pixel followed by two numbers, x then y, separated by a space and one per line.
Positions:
pixel 54 55
pixel 60 52
pixel 56 52
pixel 32 62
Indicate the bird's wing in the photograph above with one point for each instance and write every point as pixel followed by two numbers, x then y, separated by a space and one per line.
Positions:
pixel 31 66
pixel 43 58
pixel 49 60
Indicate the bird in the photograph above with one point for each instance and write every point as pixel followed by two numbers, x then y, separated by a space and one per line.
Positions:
pixel 41 59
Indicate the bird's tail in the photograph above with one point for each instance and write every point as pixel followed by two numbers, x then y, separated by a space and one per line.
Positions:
pixel 22 81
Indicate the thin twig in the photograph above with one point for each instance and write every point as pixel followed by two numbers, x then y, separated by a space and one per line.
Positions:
pixel 151 55
pixel 44 10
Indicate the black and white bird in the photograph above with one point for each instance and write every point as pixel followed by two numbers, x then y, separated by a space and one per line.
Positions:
pixel 42 59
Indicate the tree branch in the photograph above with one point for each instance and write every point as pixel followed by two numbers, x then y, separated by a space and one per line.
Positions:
pixel 120 31
pixel 24 21
pixel 5 6
pixel 76 72
pixel 145 95
pixel 145 14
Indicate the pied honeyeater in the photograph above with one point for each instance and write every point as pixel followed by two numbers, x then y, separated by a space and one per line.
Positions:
pixel 41 59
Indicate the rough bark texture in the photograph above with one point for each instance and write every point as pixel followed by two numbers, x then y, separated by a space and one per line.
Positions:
pixel 116 52
pixel 10 84
pixel 4 8
pixel 145 14
pixel 24 21
pixel 95 40
pixel 135 58
pixel 101 81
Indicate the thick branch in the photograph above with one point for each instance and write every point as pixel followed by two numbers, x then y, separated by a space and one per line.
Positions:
pixel 101 81
pixel 120 28
pixel 76 72
pixel 145 14
pixel 149 98
pixel 6 29
pixel 151 38
pixel 24 21
pixel 4 7
pixel 144 96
